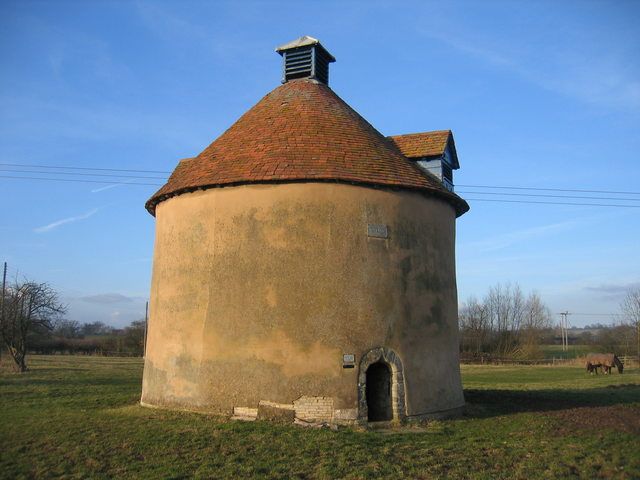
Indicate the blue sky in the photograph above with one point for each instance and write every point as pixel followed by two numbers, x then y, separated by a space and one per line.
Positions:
pixel 538 94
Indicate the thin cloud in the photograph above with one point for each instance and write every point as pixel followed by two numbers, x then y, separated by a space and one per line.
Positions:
pixel 113 185
pixel 613 291
pixel 102 189
pixel 596 79
pixel 180 32
pixel 64 221
pixel 506 240
pixel 107 298
pixel 472 49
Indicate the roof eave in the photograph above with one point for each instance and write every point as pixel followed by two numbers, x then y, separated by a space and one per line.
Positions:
pixel 458 203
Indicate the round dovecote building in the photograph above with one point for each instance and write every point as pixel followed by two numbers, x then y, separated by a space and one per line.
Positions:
pixel 304 265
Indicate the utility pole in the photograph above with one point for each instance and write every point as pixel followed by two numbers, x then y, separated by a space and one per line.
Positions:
pixel 564 327
pixel 4 284
pixel 146 322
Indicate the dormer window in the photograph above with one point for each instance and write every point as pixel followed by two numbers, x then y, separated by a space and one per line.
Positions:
pixel 433 152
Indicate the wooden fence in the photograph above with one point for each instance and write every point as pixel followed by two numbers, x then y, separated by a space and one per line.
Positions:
pixel 627 361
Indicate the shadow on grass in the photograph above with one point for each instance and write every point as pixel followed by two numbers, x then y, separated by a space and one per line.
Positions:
pixel 70 383
pixel 491 403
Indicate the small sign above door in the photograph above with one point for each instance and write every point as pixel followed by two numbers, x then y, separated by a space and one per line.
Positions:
pixel 348 360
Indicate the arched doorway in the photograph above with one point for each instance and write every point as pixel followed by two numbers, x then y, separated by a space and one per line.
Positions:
pixel 381 386
pixel 378 392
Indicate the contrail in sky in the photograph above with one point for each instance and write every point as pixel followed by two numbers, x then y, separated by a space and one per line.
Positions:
pixel 57 223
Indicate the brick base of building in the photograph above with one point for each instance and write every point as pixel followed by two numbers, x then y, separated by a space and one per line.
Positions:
pixel 313 411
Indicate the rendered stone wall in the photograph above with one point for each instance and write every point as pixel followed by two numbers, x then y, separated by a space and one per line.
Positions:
pixel 259 290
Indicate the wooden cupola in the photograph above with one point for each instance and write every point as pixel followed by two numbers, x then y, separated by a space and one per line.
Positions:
pixel 305 57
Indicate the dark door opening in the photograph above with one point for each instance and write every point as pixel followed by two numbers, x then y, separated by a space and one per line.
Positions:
pixel 379 392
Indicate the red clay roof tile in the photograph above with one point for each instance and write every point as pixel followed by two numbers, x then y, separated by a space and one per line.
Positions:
pixel 302 131
pixel 425 144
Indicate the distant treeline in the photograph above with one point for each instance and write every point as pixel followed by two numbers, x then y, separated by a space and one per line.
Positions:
pixel 506 323
pixel 97 338
pixel 620 339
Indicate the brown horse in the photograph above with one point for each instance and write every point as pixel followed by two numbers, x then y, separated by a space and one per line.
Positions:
pixel 604 360
pixel 591 368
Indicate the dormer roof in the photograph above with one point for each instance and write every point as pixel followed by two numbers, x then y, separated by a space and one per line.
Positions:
pixel 303 41
pixel 427 145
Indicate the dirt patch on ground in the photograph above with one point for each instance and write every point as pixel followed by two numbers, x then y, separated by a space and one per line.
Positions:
pixel 620 418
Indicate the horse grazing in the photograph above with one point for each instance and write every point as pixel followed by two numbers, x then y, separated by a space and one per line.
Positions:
pixel 591 368
pixel 606 361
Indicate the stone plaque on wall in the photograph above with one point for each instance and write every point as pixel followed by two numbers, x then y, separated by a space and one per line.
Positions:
pixel 377 230
pixel 348 360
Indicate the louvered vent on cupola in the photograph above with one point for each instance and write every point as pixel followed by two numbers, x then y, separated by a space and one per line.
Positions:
pixel 305 57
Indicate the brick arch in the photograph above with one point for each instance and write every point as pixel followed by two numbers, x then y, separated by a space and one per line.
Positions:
pixel 392 360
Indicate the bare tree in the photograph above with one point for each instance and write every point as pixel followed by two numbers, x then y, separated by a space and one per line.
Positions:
pixel 537 315
pixel 29 307
pixel 506 305
pixel 474 321
pixel 67 329
pixel 96 328
pixel 535 319
pixel 631 309
pixel 134 337
pixel 504 322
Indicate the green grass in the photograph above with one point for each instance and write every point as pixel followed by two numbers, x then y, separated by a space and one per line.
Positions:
pixel 78 417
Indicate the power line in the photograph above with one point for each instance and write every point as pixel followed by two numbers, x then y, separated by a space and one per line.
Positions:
pixel 552 203
pixel 125 183
pixel 81 181
pixel 99 169
pixel 81 168
pixel 501 187
pixel 470 199
pixel 543 195
pixel 161 178
pixel 164 178
pixel 599 314
pixel 80 174
pixel 548 189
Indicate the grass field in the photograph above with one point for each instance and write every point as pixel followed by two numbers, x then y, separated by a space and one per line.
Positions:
pixel 574 351
pixel 78 417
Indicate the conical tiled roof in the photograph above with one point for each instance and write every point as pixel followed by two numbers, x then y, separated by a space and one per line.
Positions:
pixel 301 131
